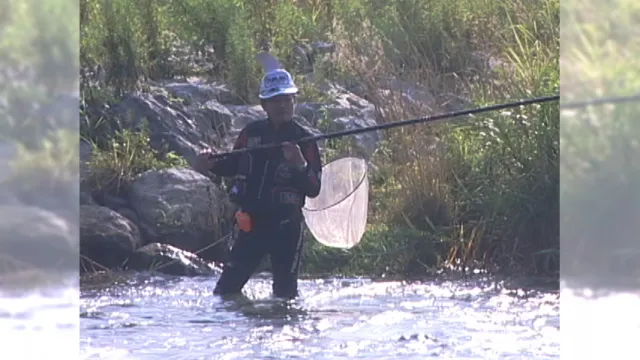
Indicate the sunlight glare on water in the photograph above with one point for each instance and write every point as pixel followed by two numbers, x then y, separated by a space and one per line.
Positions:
pixel 333 319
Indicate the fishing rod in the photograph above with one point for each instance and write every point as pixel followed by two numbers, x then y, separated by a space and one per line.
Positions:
pixel 425 119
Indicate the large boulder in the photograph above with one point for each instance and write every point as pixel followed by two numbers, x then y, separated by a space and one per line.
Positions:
pixel 344 111
pixel 245 114
pixel 189 116
pixel 183 208
pixel 196 90
pixel 107 238
pixel 169 260
pixel 172 125
pixel 34 238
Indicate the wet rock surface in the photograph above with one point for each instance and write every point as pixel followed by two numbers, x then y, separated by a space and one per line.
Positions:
pixel 169 260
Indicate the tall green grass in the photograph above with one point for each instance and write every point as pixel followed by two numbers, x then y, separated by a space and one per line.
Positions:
pixel 482 192
pixel 600 167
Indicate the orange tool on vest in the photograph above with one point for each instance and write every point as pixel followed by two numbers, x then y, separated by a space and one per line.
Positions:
pixel 244 221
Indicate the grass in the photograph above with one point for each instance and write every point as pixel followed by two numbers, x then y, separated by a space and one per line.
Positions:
pixel 384 251
pixel 124 156
pixel 600 170
pixel 481 193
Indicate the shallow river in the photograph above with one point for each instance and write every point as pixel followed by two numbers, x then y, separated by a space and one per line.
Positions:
pixel 334 319
pixel 165 318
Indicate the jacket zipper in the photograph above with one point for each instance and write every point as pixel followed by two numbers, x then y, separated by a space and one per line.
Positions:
pixel 264 175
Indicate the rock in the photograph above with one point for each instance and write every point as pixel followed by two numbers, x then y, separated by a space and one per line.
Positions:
pixel 305 55
pixel 183 208
pixel 346 103
pixel 245 114
pixel 416 337
pixel 198 91
pixel 113 202
pixel 32 237
pixel 107 238
pixel 169 260
pixel 129 214
pixel 413 94
pixel 208 115
pixel 171 124
pixel 345 111
pixel 215 116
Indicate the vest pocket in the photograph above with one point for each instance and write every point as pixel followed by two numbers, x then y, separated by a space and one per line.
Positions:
pixel 286 196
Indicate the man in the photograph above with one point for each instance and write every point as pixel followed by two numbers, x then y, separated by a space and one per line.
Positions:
pixel 269 188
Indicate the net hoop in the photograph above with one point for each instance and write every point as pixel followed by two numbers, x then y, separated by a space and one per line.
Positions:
pixel 340 222
pixel 365 173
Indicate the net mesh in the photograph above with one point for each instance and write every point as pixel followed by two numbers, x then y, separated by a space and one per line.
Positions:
pixel 337 217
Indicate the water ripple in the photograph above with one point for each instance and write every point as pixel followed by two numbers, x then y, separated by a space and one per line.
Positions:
pixel 333 319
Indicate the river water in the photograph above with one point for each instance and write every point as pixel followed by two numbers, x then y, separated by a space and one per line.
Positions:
pixel 151 318
pixel 177 318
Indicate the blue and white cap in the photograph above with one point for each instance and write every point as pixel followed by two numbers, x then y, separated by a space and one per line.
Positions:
pixel 277 80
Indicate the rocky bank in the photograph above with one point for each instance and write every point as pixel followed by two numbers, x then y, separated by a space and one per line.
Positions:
pixel 173 220
pixel 177 220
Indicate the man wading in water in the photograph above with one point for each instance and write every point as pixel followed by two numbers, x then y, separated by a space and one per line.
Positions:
pixel 269 188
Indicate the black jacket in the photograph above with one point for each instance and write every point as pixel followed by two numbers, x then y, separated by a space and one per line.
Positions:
pixel 265 183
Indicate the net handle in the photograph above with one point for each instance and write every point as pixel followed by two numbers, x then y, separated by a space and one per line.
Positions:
pixel 355 188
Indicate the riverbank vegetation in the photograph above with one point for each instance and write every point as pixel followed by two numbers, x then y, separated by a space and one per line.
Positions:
pixel 477 192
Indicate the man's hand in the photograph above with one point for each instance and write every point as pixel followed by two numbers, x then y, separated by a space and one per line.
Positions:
pixel 293 154
pixel 204 162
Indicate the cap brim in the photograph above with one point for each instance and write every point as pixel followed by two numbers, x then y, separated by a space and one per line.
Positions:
pixel 287 91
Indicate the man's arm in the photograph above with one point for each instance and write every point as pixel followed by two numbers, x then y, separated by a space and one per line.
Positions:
pixel 228 166
pixel 310 179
